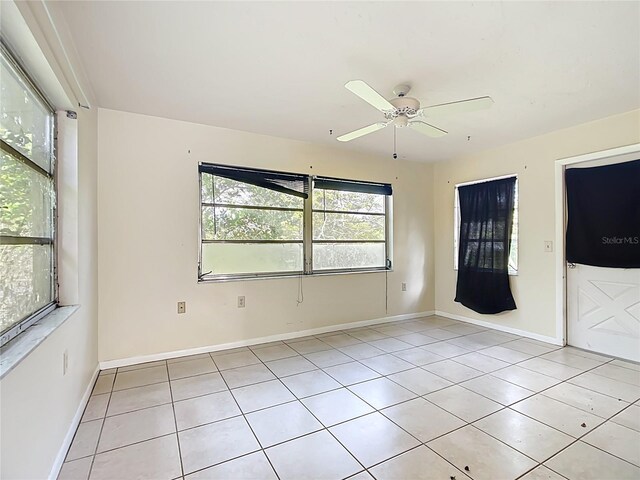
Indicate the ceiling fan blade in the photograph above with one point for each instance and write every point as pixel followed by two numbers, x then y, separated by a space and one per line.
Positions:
pixel 369 95
pixel 362 131
pixel 427 129
pixel 471 105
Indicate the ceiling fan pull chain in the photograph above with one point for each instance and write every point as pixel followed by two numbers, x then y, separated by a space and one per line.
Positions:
pixel 395 131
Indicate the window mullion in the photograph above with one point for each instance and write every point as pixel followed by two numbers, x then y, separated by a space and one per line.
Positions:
pixel 307 240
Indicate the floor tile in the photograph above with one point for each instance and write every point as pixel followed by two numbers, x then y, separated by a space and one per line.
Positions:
pixel 373 438
pixel 274 352
pixel 290 366
pixel 381 392
pixel 558 415
pixel 195 386
pixel 242 376
pixel 390 345
pixel 422 419
pixel 617 440
pixel 310 383
pixel 254 466
pixel 137 366
pixel 418 356
pixel 549 368
pixel 442 334
pixel 607 386
pixel 262 395
pixel 85 440
pixel 463 403
pixel 189 368
pixel 526 378
pixel 542 473
pixel 418 464
pixel 586 354
pixel 340 340
pixel 464 329
pixel 386 364
pixel 486 457
pixel 420 381
pixel 620 374
pixel 585 399
pixel 234 360
pixel 104 384
pixel 281 423
pixel 188 358
pixel 530 437
pixel 625 364
pixel 336 406
pixel 361 351
pixel 310 346
pixel 139 378
pixel 501 352
pixel 350 373
pixel 360 476
pixel 629 417
pixel 156 459
pixel 417 339
pixel 575 361
pixel 481 362
pixel 138 398
pixel 584 462
pixel 206 409
pixel 527 346
pixel 452 371
pixel 497 389
pixel 315 456
pixel 76 469
pixel 108 371
pixel 445 349
pixel 392 330
pixel 368 335
pixel 414 326
pixel 96 407
pixel 216 442
pixel 328 358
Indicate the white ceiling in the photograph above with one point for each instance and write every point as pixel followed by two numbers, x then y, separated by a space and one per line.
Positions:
pixel 279 68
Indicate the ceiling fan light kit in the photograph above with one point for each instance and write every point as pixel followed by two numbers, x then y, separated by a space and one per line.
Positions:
pixel 404 111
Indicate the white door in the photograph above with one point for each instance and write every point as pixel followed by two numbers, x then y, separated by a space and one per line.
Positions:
pixel 603 309
pixel 603 304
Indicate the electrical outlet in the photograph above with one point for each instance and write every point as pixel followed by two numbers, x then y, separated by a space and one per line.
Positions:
pixel 404 287
pixel 548 246
pixel 241 303
pixel 182 307
pixel 65 362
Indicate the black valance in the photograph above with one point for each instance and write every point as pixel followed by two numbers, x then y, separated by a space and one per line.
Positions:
pixel 352 186
pixel 603 215
pixel 289 183
pixel 486 221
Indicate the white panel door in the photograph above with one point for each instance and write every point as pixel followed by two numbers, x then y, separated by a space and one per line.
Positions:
pixel 603 309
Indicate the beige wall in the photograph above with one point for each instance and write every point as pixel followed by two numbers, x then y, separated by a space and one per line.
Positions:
pixel 533 161
pixel 148 218
pixel 38 402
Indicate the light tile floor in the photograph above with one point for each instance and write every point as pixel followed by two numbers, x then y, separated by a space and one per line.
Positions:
pixel 422 399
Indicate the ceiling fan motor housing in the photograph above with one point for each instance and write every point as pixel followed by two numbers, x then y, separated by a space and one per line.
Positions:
pixel 405 108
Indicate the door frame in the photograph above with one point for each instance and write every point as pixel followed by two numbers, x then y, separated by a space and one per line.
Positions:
pixel 561 222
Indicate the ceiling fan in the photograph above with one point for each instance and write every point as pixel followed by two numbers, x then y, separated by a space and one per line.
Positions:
pixel 404 111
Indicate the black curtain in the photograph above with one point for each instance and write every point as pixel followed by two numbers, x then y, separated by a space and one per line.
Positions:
pixel 603 215
pixel 486 220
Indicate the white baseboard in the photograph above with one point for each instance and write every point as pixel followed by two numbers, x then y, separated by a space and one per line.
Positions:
pixel 123 362
pixel 501 328
pixel 66 443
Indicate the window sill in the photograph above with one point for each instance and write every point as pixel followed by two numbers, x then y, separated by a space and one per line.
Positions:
pixel 293 275
pixel 20 347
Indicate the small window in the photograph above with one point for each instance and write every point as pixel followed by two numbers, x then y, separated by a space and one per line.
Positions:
pixel 258 223
pixel 513 244
pixel 27 193
pixel 349 226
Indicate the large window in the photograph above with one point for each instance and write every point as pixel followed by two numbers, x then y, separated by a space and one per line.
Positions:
pixel 513 243
pixel 257 223
pixel 27 258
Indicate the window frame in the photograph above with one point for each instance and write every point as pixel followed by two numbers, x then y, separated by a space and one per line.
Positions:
pixel 21 325
pixel 307 241
pixel 515 233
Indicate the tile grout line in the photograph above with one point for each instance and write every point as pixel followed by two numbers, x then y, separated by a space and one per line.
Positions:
pixel 175 418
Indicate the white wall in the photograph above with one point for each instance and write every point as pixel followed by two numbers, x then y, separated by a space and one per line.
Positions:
pixel 533 161
pixel 148 218
pixel 38 402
